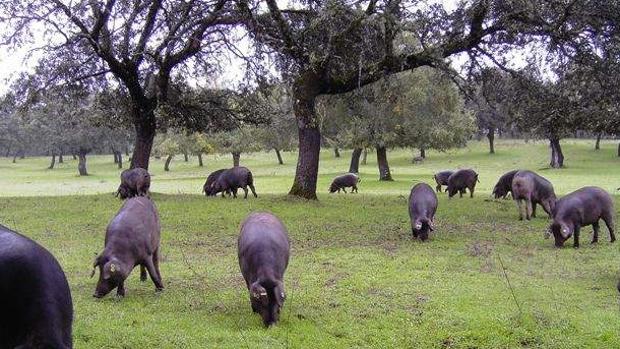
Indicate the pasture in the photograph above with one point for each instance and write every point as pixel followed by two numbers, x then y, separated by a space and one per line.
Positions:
pixel 356 277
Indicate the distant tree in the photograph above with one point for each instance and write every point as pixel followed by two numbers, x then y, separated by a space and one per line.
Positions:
pixel 167 147
pixel 240 140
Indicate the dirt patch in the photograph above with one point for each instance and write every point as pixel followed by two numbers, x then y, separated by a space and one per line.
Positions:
pixel 480 249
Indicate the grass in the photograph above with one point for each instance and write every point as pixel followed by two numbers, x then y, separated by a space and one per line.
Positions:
pixel 356 277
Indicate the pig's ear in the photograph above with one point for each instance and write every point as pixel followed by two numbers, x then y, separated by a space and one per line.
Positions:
pixel 257 291
pixel 565 232
pixel 109 269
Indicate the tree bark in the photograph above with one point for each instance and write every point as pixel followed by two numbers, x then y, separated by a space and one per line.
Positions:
pixel 354 167
pixel 491 138
pixel 74 156
pixel 619 150
pixel 236 158
pixel 119 155
pixel 423 153
pixel 280 162
pixel 185 157
pixel 82 163
pixel 115 156
pixel 200 160
pixel 557 158
pixel 167 164
pixel 336 152
pixel 597 145
pixel 364 156
pixel 15 156
pixel 384 167
pixel 305 91
pixel 144 120
pixel 60 158
pixel 53 162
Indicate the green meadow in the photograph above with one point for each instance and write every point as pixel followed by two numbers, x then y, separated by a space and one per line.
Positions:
pixel 356 278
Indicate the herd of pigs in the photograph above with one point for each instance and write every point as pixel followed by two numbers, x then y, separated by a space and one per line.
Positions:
pixel 36 309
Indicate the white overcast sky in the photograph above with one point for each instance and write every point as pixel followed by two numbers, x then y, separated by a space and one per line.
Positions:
pixel 13 62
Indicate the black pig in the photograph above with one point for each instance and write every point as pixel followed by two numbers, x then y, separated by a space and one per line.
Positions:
pixel 36 309
pixel 422 208
pixel 461 180
pixel 533 189
pixel 504 185
pixel 582 207
pixel 209 187
pixel 345 181
pixel 441 178
pixel 132 238
pixel 264 249
pixel 134 182
pixel 233 179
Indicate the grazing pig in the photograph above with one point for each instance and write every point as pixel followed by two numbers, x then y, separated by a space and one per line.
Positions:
pixel 263 248
pixel 461 180
pixel 344 181
pixel 132 238
pixel 533 189
pixel 504 185
pixel 441 178
pixel 134 182
pixel 422 208
pixel 36 309
pixel 233 179
pixel 582 207
pixel 208 187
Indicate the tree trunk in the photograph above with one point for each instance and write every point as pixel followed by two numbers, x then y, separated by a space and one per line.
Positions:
pixel 167 164
pixel 236 158
pixel 200 160
pixel 15 156
pixel 22 156
pixel 305 90
pixel 280 162
pixel 597 145
pixel 74 156
pixel 115 156
pixel 491 137
pixel 384 167
pixel 364 156
pixel 557 158
pixel 423 153
pixel 619 150
pixel 336 152
pixel 145 132
pixel 185 157
pixel 119 155
pixel 82 163
pixel 354 167
pixel 126 150
pixel 53 162
pixel 60 158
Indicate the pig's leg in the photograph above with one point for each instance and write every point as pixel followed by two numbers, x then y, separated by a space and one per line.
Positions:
pixel 245 190
pixel 471 191
pixel 596 228
pixel 438 188
pixel 576 237
pixel 142 273
pixel 120 291
pixel 154 275
pixel 354 188
pixel 344 190
pixel 609 222
pixel 533 209
pixel 234 192
pixel 461 192
pixel 528 209
pixel 253 189
pixel 156 262
pixel 520 208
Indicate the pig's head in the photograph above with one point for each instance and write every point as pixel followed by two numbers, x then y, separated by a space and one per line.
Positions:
pixel 451 191
pixel 267 301
pixel 111 273
pixel 333 188
pixel 499 192
pixel 561 232
pixel 423 226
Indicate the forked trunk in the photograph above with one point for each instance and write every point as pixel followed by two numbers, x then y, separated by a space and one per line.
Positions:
pixel 384 167
pixel 185 157
pixel 236 158
pixel 200 160
pixel 354 167
pixel 119 155
pixel 557 158
pixel 423 153
pixel 280 162
pixel 144 124
pixel 167 164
